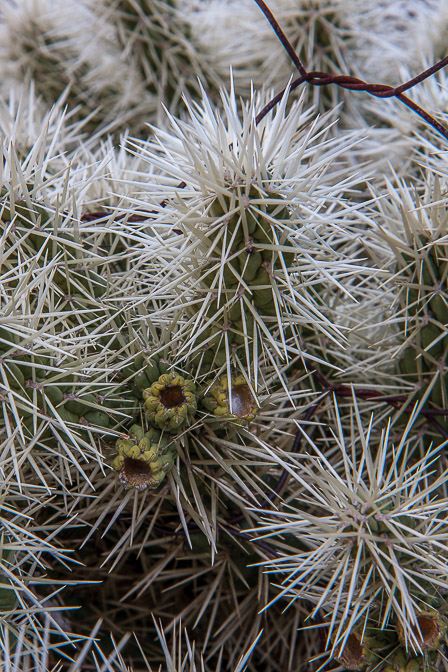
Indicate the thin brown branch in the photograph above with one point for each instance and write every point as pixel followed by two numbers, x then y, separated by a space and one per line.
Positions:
pixel 282 37
pixel 396 401
pixel 94 216
pixel 317 78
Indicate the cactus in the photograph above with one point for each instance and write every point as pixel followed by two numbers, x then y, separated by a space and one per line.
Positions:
pixel 159 34
pixel 380 539
pixel 424 297
pixel 249 267
pixel 222 348
pixel 41 43
pixel 419 251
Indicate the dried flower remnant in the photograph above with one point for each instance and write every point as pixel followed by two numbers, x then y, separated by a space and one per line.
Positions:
pixel 430 630
pixel 363 649
pixel 170 402
pixel 144 458
pixel 236 403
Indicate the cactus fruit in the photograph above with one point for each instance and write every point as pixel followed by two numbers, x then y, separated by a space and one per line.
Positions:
pixel 362 650
pixel 144 458
pixel 238 404
pixel 170 399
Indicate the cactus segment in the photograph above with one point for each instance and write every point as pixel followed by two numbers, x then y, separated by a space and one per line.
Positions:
pixel 165 47
pixel 401 660
pixel 39 389
pixel 144 458
pixel 144 371
pixel 242 254
pixel 424 301
pixel 170 402
pixel 239 406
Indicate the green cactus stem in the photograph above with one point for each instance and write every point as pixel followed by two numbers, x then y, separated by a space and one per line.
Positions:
pixel 424 300
pixel 401 660
pixel 144 371
pixel 241 254
pixel 168 58
pixel 41 395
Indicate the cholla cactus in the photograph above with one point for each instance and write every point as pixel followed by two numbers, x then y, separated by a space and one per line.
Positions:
pixel 255 242
pixel 222 347
pixel 319 32
pixel 416 235
pixel 27 550
pixel 77 61
pixel 58 327
pixel 407 30
pixel 247 50
pixel 375 535
pixel 158 34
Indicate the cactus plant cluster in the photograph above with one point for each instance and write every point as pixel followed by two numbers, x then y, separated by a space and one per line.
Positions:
pixel 223 343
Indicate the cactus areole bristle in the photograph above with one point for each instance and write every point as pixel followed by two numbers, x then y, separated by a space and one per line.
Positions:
pixel 135 473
